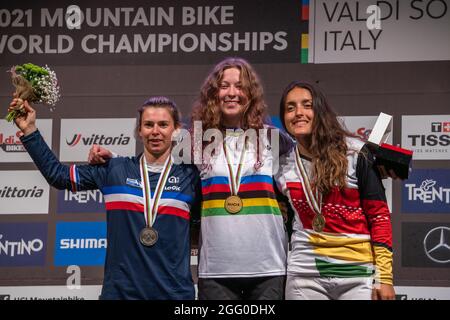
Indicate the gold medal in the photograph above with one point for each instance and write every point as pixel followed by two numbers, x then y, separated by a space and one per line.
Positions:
pixel 318 222
pixel 148 236
pixel 233 204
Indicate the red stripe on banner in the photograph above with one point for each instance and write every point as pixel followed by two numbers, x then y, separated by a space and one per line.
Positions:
pixel 123 205
pixel 305 13
pixel 173 211
pixel 216 188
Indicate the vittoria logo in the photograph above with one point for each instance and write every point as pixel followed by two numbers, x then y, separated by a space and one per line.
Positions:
pixel 98 139
pixel 14 192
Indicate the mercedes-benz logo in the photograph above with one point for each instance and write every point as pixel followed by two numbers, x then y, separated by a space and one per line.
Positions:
pixel 436 244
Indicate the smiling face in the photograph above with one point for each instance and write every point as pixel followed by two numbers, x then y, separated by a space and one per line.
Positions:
pixel 232 97
pixel 299 113
pixel 156 129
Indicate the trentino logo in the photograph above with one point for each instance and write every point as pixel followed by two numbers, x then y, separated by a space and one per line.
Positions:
pixel 22 244
pixel 98 139
pixel 427 191
pixel 89 201
pixel 80 243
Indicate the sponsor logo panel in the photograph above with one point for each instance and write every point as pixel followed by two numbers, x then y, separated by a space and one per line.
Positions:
pixel 426 190
pixel 427 136
pixel 11 148
pixel 23 192
pixel 90 201
pixel 79 135
pixel 23 244
pixel 422 293
pixel 50 293
pixel 80 243
pixel 426 245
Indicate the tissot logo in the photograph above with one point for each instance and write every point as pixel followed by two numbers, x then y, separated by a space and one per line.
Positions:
pixel 98 139
pixel 427 136
pixel 440 127
pixel 436 245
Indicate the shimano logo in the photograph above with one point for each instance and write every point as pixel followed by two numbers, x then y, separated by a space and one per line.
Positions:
pixel 98 139
pixel 89 243
pixel 83 196
pixel 20 248
pixel 14 192
pixel 427 192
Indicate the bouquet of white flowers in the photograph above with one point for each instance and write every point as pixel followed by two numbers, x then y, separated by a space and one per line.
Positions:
pixel 34 84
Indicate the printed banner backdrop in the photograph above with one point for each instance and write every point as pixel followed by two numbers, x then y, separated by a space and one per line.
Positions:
pixel 156 32
pixel 90 201
pixel 23 192
pixel 85 292
pixel 110 57
pixel 357 31
pixel 23 244
pixel 427 135
pixel 362 127
pixel 426 191
pixel 12 149
pixel 421 293
pixel 79 135
pixel 425 245
pixel 80 243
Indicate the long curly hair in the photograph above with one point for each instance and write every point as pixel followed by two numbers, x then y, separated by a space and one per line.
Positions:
pixel 206 107
pixel 328 146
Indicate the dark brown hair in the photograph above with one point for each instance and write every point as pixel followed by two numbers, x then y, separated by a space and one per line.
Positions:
pixel 158 102
pixel 328 146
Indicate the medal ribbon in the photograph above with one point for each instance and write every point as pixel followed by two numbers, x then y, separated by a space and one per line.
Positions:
pixel 235 181
pixel 151 203
pixel 314 201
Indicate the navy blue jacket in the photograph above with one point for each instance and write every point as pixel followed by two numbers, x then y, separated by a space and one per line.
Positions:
pixel 133 271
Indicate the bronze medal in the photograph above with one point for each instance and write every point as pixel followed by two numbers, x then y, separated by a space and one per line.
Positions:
pixel 148 236
pixel 233 204
pixel 318 222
